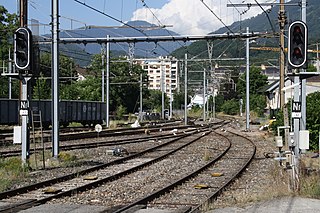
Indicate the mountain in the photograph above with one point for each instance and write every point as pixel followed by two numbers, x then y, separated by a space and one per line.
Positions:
pixel 142 49
pixel 259 23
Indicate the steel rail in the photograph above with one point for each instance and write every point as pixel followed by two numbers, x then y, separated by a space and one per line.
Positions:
pixel 12 153
pixel 30 203
pixel 232 179
pixel 144 201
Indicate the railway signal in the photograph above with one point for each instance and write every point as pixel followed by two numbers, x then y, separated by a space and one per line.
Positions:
pixel 297 45
pixel 22 48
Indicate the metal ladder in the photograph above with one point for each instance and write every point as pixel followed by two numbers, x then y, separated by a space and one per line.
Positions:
pixel 36 121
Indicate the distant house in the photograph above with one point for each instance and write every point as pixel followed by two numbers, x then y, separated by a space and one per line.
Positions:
pixel 82 73
pixel 272 91
pixel 197 100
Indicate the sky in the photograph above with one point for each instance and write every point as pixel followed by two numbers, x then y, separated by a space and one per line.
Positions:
pixel 186 17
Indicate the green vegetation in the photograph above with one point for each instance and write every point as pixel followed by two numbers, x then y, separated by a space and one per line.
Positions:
pixel 8 24
pixel 313 119
pixel 11 172
pixel 67 158
pixel 313 116
pixel 230 107
pixel 310 185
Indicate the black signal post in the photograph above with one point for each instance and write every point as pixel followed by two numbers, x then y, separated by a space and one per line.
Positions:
pixel 23 61
pixel 23 48
pixel 297 45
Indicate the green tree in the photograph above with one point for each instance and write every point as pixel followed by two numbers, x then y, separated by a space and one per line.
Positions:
pixel 8 24
pixel 230 107
pixel 42 84
pixel 153 102
pixel 313 118
pixel 178 100
pixel 41 89
pixel 120 112
pixel 4 89
pixel 88 89
pixel 258 103
pixel 124 89
pixel 66 67
pixel 218 101
pixel 256 83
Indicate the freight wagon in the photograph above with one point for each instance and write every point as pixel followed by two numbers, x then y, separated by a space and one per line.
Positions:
pixel 84 112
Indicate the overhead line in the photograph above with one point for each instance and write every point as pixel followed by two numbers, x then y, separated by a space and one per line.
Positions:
pixel 166 38
pixel 103 13
pixel 234 6
pixel 216 16
pixel 113 18
pixel 266 15
pixel 161 25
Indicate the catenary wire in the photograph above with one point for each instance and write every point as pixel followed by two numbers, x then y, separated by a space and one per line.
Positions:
pixel 216 16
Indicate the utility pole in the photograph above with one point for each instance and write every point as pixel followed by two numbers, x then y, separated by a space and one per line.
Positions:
pixel 170 102
pixel 140 108
pixel 185 88
pixel 102 71
pixel 282 23
pixel 318 67
pixel 204 95
pixel 247 83
pixel 107 81
pixel 23 18
pixel 303 124
pixel 10 78
pixel 162 88
pixel 55 78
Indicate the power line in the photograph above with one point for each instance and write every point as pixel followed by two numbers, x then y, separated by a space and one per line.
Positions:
pixel 113 18
pixel 273 30
pixel 216 16
pixel 159 22
pixel 109 16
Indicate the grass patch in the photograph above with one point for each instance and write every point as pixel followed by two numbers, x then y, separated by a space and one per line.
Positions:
pixel 241 194
pixel 310 186
pixel 67 157
pixel 310 177
pixel 11 171
pixel 75 124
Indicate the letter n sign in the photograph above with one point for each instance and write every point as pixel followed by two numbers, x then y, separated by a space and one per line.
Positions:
pixel 296 109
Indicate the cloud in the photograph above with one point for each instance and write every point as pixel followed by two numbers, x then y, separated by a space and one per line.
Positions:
pixel 192 17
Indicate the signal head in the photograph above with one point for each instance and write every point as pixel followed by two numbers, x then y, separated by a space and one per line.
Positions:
pixel 297 45
pixel 22 48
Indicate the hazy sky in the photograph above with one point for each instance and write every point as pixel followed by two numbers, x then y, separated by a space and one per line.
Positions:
pixel 185 17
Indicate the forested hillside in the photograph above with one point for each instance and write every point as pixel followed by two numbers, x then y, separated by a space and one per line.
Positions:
pixel 259 23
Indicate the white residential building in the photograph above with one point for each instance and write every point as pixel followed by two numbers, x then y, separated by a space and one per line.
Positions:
pixel 162 70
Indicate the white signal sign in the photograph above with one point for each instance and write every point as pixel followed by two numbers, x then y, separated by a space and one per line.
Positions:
pixel 296 109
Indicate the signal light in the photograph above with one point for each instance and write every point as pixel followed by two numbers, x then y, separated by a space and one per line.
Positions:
pixel 297 44
pixel 22 48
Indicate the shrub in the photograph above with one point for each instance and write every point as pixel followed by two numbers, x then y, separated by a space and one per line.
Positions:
pixel 230 107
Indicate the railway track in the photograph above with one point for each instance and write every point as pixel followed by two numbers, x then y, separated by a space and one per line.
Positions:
pixel 80 133
pixel 195 190
pixel 188 191
pixel 67 145
pixel 36 194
